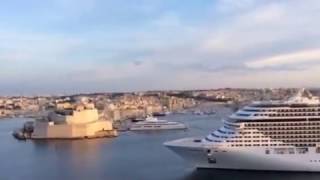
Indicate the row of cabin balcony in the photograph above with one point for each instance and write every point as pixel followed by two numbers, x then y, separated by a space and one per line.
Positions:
pixel 283 105
pixel 294 136
pixel 283 110
pixel 301 140
pixel 300 144
pixel 288 129
pixel 266 130
pixel 292 144
pixel 292 132
pixel 235 137
pixel 278 140
pixel 279 115
pixel 240 145
pixel 288 114
pixel 240 141
pixel 282 124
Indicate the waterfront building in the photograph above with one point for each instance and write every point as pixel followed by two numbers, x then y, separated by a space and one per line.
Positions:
pixel 80 122
pixel 64 105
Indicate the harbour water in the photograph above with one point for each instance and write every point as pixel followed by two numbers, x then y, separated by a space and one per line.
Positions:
pixel 131 156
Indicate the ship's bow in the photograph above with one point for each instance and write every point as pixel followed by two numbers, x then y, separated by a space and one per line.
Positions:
pixel 190 149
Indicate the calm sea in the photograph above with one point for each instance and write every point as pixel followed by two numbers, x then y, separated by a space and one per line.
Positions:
pixel 131 156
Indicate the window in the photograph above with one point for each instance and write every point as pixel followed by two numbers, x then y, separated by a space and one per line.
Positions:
pixel 241 114
pixel 212 160
pixel 302 150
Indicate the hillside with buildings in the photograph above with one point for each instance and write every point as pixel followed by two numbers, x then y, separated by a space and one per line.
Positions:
pixel 122 106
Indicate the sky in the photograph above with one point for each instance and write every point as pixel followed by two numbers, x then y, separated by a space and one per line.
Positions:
pixel 76 46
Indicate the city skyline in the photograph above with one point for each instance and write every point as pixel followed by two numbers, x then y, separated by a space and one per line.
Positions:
pixel 76 46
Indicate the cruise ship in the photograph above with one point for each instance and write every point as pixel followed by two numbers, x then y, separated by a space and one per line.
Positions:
pixel 267 135
pixel 152 123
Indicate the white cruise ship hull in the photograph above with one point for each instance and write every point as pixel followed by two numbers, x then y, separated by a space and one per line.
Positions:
pixel 244 158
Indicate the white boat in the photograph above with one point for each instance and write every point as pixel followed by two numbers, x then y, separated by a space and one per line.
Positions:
pixel 198 112
pixel 152 123
pixel 273 135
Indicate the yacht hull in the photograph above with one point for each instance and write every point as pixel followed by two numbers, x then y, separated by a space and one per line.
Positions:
pixel 157 127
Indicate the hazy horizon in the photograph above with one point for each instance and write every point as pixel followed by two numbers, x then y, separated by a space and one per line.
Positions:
pixel 145 91
pixel 79 46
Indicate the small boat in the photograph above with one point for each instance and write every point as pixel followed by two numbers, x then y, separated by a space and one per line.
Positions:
pixel 198 112
pixel 210 113
pixel 137 119
pixel 152 123
pixel 19 134
pixel 158 114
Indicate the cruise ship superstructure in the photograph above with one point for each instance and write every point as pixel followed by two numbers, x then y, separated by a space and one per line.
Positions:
pixel 272 135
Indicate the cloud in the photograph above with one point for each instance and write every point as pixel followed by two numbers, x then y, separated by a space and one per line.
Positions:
pixel 262 26
pixel 287 59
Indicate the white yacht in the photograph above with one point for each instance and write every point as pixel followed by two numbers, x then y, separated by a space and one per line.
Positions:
pixel 272 135
pixel 152 123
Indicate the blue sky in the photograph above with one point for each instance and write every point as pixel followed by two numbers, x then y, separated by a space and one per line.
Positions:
pixel 72 46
